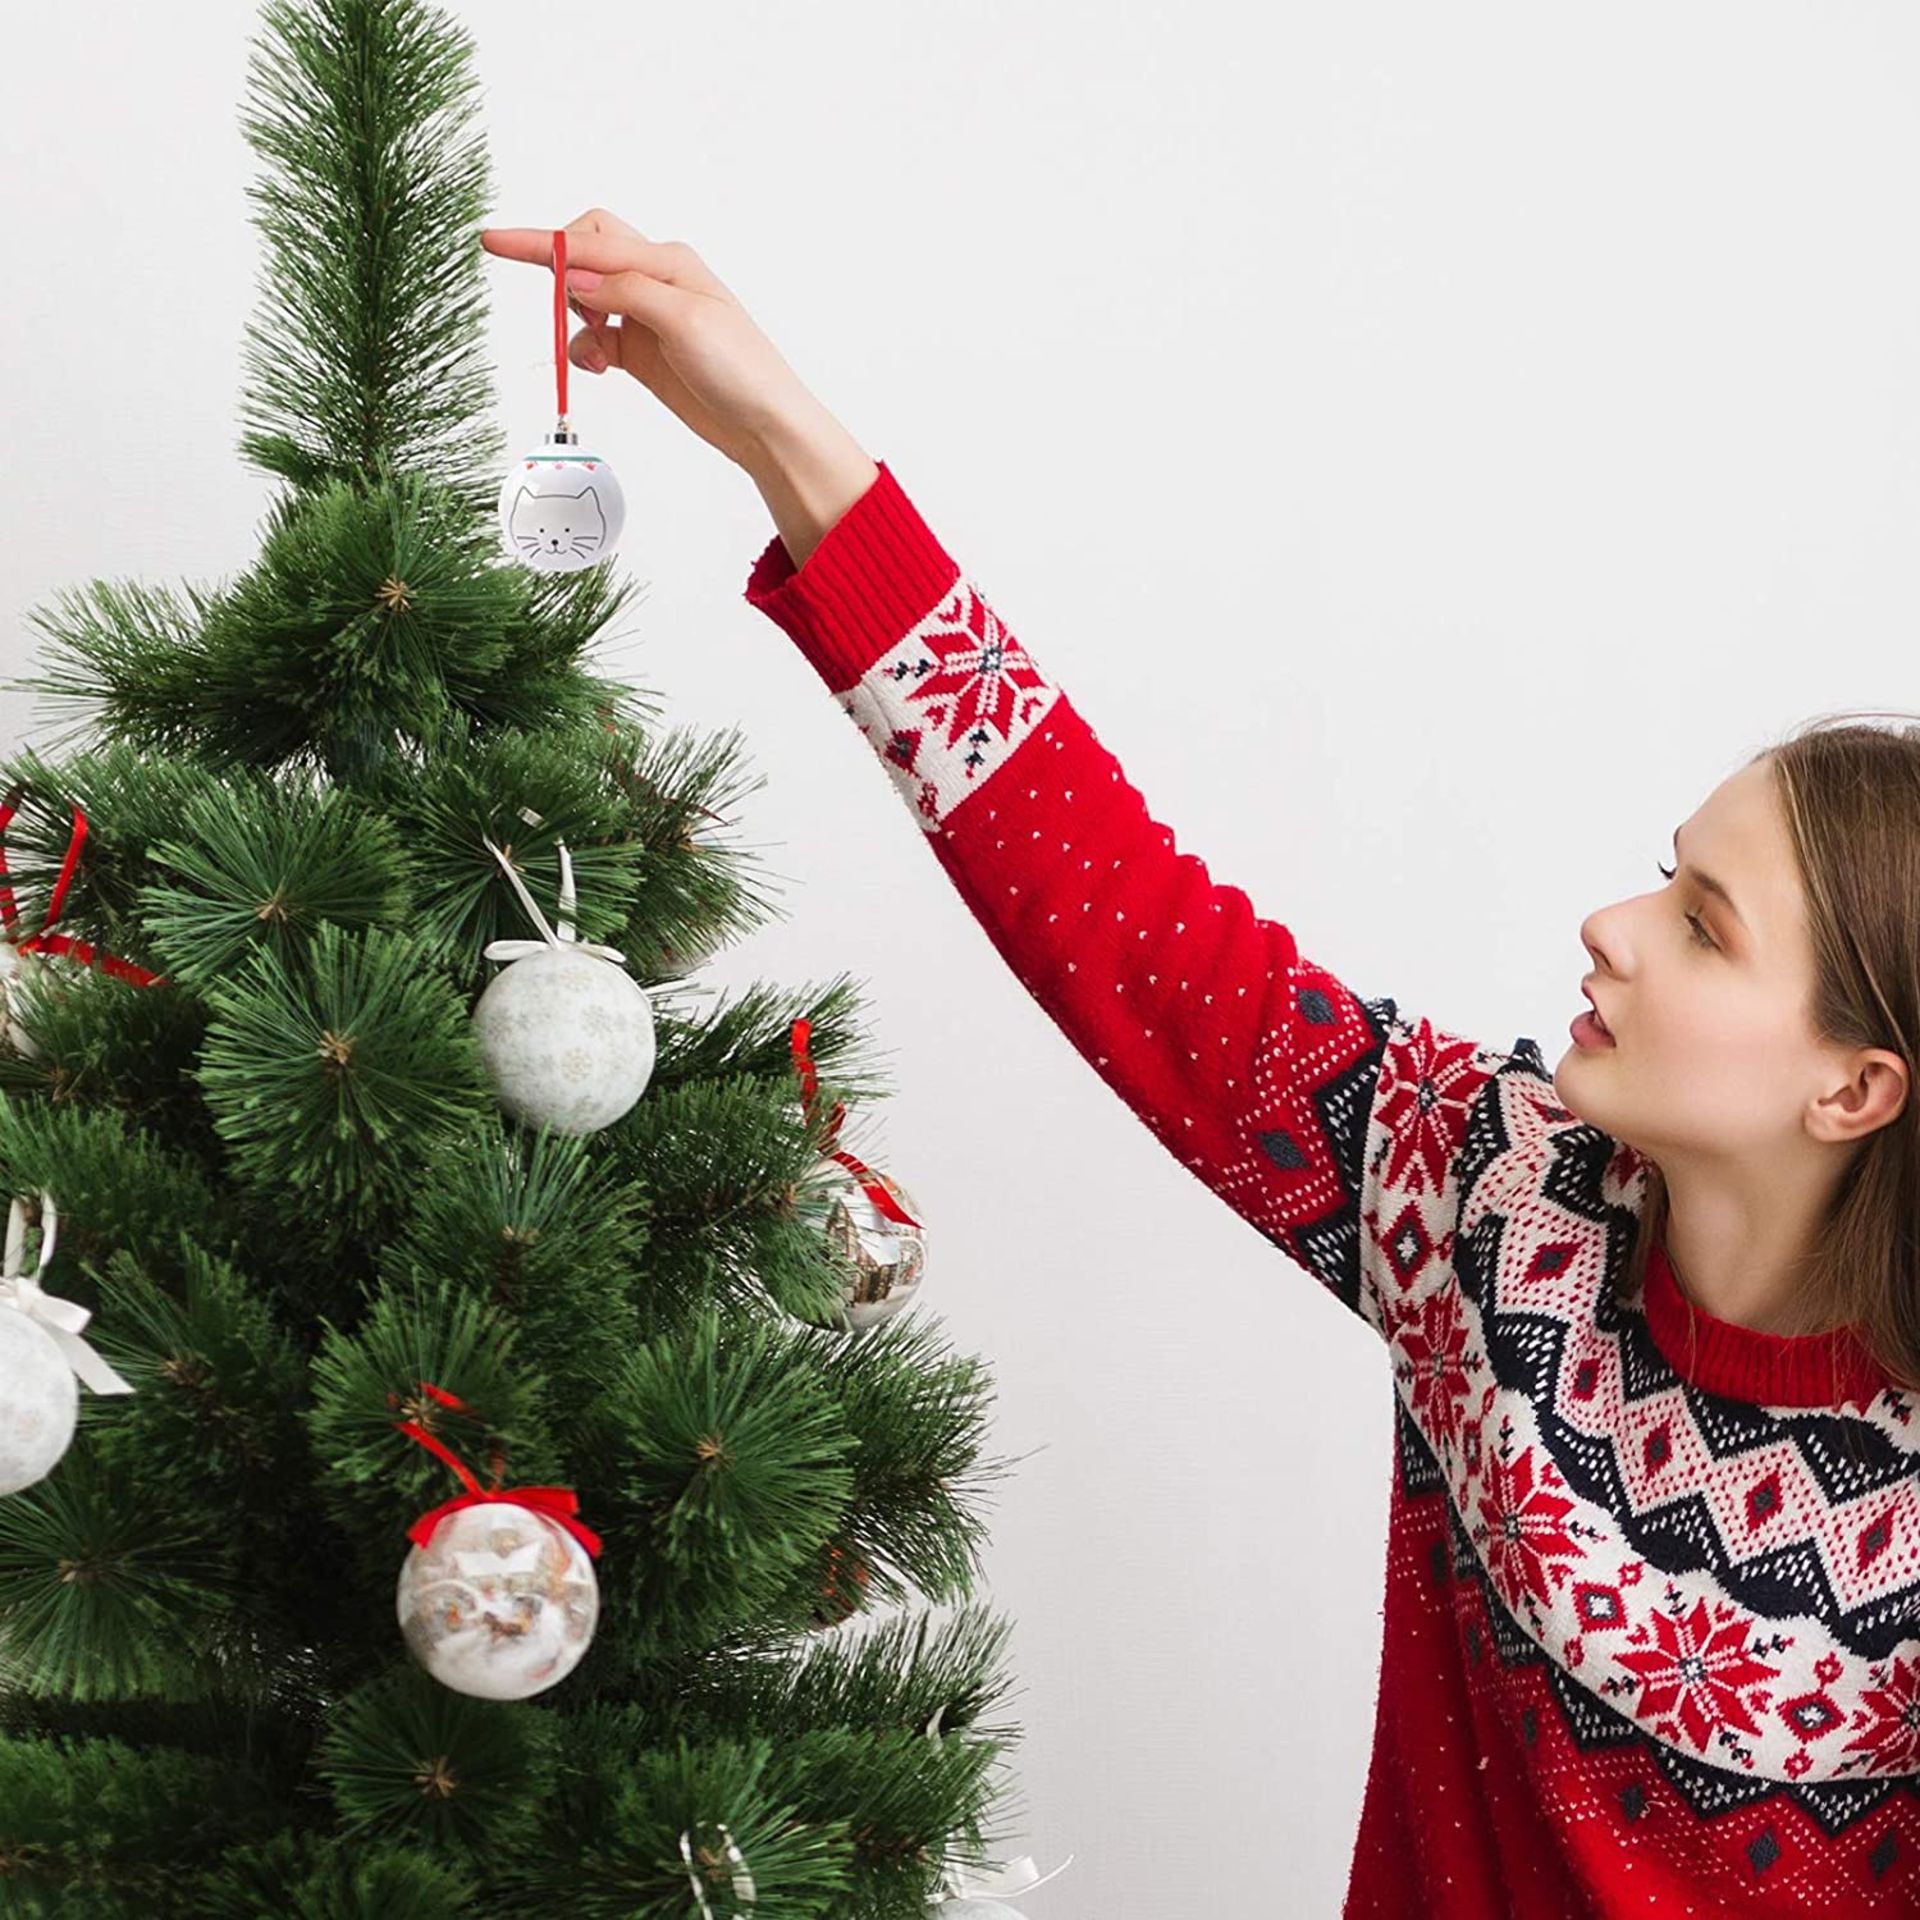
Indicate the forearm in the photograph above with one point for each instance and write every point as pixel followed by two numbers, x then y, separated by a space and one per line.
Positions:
pixel 809 471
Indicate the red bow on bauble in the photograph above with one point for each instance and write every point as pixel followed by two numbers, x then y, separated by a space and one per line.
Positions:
pixel 43 941
pixel 557 1503
pixel 871 1184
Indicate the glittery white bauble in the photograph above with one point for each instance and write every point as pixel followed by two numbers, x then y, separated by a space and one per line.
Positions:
pixel 974 1910
pixel 883 1261
pixel 502 1604
pixel 39 1401
pixel 561 509
pixel 19 977
pixel 567 1038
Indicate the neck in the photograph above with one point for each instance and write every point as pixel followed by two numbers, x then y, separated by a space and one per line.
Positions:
pixel 1741 1250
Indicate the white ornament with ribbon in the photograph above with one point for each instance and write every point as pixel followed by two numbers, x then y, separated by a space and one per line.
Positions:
pixel 565 1032
pixel 561 509
pixel 973 1896
pixel 43 1359
pixel 740 1876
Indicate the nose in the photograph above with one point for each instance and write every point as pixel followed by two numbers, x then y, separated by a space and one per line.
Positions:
pixel 1589 938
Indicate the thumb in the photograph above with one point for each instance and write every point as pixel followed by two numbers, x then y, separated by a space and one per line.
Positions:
pixel 593 348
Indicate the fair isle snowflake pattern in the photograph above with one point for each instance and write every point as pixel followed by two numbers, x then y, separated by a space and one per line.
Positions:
pixel 1769 1691
pixel 948 704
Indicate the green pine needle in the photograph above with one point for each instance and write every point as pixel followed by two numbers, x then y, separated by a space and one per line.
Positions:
pixel 409 1759
pixel 327 1080
pixel 254 869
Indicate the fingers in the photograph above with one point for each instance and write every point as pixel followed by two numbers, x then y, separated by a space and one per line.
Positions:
pixel 635 296
pixel 602 244
pixel 536 243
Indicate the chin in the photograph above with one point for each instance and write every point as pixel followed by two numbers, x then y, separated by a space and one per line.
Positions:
pixel 1573 1103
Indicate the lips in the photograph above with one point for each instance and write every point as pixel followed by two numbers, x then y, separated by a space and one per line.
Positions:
pixel 1599 1018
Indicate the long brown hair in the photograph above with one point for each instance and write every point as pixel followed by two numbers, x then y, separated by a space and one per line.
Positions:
pixel 1850 794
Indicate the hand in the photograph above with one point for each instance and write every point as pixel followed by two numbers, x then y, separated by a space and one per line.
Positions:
pixel 660 314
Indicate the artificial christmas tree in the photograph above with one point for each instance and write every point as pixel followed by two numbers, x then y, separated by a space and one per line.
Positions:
pixel 331 1259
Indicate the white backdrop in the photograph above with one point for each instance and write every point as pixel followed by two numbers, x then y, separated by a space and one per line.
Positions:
pixel 1432 447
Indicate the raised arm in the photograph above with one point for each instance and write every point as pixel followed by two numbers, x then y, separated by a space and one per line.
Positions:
pixel 1331 1124
pixel 1268 1079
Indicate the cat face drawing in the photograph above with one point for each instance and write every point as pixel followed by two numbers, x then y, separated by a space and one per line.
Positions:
pixel 557 529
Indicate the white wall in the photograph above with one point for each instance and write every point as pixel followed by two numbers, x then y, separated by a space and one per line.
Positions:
pixel 1432 446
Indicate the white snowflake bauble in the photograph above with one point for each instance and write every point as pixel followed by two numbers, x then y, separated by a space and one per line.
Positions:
pixel 567 1039
pixel 561 509
pixel 883 1260
pixel 501 1604
pixel 39 1401
pixel 20 975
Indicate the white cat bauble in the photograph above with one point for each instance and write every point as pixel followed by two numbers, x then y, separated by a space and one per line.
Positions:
pixel 561 509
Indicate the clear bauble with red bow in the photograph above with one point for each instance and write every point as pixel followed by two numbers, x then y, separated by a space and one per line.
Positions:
pixel 498 1598
pixel 870 1228
pixel 502 1602
pixel 880 1256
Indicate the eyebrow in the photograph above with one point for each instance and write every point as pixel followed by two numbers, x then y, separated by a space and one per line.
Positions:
pixel 1708 884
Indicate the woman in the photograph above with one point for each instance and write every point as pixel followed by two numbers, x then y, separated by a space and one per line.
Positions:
pixel 1652 1622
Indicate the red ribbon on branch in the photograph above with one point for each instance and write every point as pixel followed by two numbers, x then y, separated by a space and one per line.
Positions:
pixel 557 1503
pixel 43 941
pixel 871 1184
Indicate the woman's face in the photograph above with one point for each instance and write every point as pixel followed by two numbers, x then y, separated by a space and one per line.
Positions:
pixel 1707 997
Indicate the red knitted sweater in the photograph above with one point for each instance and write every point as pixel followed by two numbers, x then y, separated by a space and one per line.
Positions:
pixel 1652 1626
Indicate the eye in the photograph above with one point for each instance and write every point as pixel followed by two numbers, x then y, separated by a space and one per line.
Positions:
pixel 1701 936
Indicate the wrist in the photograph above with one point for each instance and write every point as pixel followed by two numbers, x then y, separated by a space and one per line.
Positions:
pixel 809 470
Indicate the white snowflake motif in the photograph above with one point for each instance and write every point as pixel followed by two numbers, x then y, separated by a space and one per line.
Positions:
pixel 947 704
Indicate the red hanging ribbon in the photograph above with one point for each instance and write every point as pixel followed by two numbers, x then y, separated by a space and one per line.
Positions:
pixel 43 941
pixel 558 1503
pixel 870 1182
pixel 560 315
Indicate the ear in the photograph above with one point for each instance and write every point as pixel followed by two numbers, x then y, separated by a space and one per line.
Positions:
pixel 1874 1094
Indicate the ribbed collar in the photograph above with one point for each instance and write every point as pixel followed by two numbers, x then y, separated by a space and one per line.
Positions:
pixel 1764 1369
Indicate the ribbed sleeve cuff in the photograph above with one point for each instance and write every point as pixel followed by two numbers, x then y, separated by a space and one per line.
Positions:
pixel 872 578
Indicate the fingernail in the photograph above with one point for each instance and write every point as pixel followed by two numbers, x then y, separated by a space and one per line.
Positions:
pixel 582 278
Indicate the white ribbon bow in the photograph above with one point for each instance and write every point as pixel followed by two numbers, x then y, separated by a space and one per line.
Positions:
pixel 519 949
pixel 744 1891
pixel 64 1319
pixel 1017 1877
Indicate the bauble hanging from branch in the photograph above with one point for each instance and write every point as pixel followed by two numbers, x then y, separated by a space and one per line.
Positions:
pixel 497 1598
pixel 566 1034
pixel 871 1230
pixel 561 508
